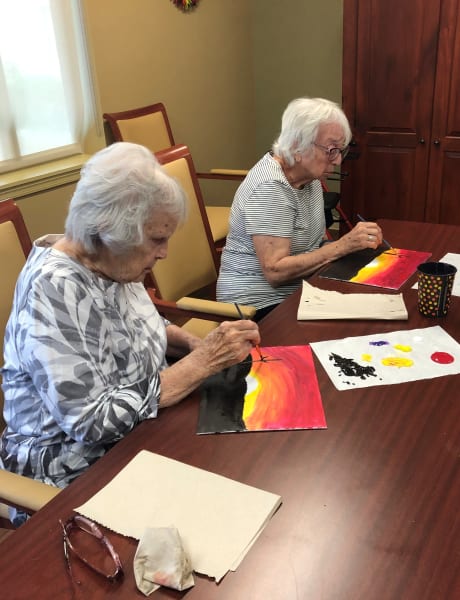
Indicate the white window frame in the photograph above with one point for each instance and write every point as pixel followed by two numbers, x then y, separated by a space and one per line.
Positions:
pixel 80 92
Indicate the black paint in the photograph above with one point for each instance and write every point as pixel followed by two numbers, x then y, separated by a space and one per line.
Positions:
pixel 351 368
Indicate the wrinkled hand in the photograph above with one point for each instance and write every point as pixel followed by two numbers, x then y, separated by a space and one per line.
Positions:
pixel 229 344
pixel 364 234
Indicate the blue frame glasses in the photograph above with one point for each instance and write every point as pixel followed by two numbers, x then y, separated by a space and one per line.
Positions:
pixel 333 153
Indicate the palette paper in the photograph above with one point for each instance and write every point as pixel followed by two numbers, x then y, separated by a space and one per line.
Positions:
pixel 380 268
pixel 322 304
pixel 388 358
pixel 218 519
pixel 278 393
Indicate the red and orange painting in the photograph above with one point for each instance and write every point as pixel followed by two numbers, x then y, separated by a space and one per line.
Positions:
pixel 279 392
pixel 390 269
pixel 385 269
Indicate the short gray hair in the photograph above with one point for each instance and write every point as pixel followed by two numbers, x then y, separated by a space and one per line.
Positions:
pixel 119 188
pixel 300 124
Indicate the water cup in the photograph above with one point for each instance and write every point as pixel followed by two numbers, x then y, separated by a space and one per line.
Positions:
pixel 435 281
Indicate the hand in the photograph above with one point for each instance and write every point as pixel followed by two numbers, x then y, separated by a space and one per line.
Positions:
pixel 229 344
pixel 364 234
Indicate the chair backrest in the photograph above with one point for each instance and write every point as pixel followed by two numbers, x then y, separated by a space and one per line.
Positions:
pixel 191 263
pixel 15 246
pixel 148 125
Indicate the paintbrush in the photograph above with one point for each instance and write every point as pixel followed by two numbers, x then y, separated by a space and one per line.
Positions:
pixel 387 244
pixel 256 346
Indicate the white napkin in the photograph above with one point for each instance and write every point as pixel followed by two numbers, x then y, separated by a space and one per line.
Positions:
pixel 160 559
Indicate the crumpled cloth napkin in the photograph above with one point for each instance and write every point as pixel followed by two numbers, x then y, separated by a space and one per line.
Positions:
pixel 160 559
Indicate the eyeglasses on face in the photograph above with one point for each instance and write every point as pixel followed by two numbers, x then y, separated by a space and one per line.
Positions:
pixel 333 153
pixel 84 525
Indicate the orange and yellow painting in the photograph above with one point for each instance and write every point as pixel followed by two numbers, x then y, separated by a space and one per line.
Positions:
pixel 278 392
pixel 385 269
pixel 390 269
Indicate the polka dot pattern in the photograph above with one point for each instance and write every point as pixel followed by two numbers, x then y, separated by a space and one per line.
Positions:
pixel 435 281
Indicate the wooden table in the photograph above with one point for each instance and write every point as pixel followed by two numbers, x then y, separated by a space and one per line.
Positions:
pixel 370 506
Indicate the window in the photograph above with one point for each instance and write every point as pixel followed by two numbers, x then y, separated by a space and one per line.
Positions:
pixel 46 99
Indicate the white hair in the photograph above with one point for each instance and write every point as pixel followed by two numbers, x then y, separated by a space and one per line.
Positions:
pixel 119 188
pixel 300 123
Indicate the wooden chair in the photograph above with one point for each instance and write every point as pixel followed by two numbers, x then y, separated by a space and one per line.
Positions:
pixel 149 126
pixel 15 245
pixel 184 283
pixel 334 213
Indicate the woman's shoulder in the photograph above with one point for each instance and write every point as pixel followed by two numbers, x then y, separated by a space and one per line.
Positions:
pixel 48 268
pixel 268 168
pixel 266 174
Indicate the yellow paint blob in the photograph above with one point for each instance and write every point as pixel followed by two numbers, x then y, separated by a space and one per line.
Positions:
pixel 402 348
pixel 366 357
pixel 397 361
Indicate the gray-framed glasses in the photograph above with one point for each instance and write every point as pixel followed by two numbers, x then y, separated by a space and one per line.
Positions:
pixel 333 153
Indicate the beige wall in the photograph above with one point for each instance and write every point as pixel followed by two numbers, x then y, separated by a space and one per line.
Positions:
pixel 45 212
pixel 297 51
pixel 197 63
pixel 225 72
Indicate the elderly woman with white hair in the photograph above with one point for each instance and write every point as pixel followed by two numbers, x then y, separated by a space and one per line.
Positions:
pixel 85 349
pixel 277 223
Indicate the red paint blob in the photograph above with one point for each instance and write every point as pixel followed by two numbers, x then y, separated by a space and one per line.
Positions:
pixel 444 358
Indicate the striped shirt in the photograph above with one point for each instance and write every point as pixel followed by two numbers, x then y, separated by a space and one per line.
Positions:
pixel 82 362
pixel 266 204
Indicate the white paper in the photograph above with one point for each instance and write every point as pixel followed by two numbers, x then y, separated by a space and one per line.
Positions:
pixel 398 347
pixel 322 304
pixel 451 259
pixel 218 518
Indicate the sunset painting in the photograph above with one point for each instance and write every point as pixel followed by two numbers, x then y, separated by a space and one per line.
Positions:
pixel 388 269
pixel 277 393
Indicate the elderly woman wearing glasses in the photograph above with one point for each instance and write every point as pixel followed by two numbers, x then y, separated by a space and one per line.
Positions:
pixel 277 222
pixel 85 349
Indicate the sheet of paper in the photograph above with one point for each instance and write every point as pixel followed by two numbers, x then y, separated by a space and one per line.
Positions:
pixel 217 518
pixel 379 268
pixel 452 259
pixel 388 358
pixel 281 392
pixel 322 304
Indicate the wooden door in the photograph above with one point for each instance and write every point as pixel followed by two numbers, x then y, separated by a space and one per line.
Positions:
pixel 390 52
pixel 443 204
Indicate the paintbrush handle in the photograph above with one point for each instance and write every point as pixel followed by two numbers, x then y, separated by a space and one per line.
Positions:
pixel 256 346
pixel 239 311
pixel 387 244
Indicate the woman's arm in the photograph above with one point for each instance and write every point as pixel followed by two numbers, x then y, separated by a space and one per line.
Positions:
pixel 227 345
pixel 180 342
pixel 280 267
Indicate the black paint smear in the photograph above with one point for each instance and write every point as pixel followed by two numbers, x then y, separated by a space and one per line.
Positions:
pixel 222 400
pixel 351 368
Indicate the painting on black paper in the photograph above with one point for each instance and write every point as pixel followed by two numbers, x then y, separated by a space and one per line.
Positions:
pixel 281 392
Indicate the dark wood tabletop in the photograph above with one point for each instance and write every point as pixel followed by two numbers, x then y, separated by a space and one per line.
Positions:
pixel 370 505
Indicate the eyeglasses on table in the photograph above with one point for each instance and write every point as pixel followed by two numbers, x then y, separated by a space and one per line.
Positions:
pixel 85 540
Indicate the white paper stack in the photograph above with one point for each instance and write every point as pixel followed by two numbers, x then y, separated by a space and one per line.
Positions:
pixel 218 519
pixel 322 304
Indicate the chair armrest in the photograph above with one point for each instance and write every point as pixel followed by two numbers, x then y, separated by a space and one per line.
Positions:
pixel 198 308
pixel 226 174
pixel 223 309
pixel 25 493
pixel 177 315
pixel 239 172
